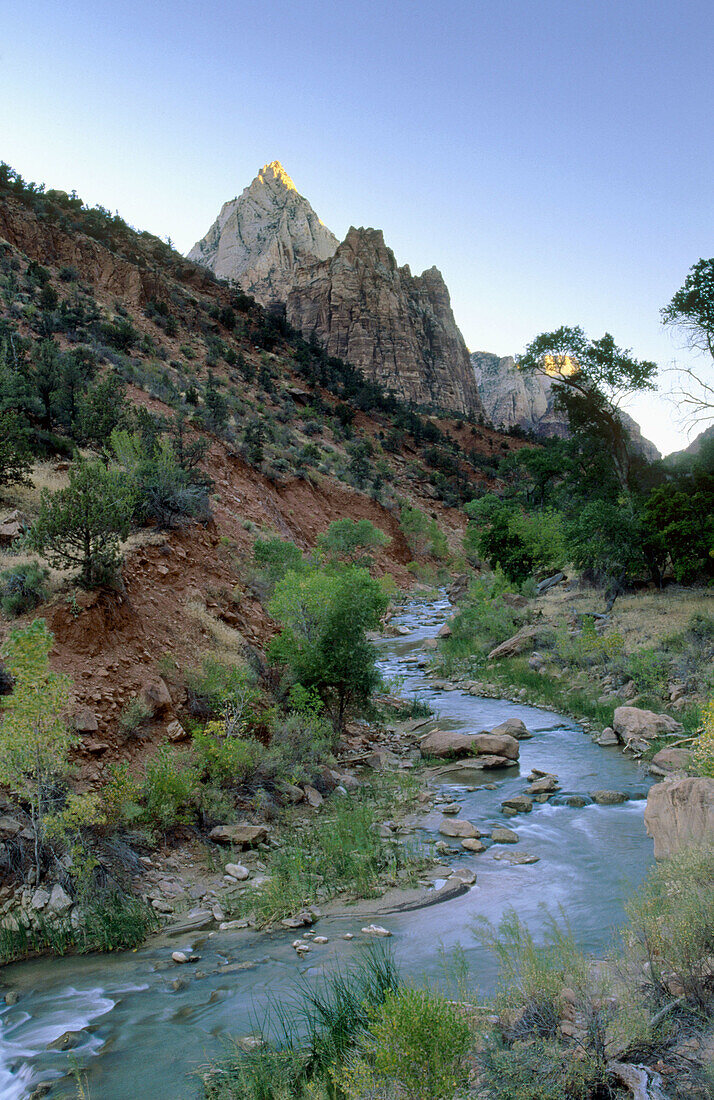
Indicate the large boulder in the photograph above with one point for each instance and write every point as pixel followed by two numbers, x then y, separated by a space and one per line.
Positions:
pixel 459 827
pixel 494 744
pixel 514 727
pixel 680 812
pixel 633 724
pixel 451 743
pixel 445 743
pixel 243 836
pixel 672 760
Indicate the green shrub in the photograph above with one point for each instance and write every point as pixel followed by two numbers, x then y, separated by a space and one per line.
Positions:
pixel 518 542
pixel 350 541
pixel 169 790
pixel 227 761
pixel 539 1069
pixel 23 588
pixel 217 687
pixel 650 669
pixel 671 929
pixel 413 1048
pixel 325 616
pixel 422 533
pixel 483 620
pixel 133 716
pixel 272 559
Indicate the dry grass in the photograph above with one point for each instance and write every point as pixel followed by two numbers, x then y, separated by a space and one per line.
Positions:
pixel 230 642
pixel 643 618
pixel 26 498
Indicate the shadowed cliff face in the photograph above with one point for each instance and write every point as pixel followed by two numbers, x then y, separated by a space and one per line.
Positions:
pixel 514 398
pixel 260 238
pixel 398 328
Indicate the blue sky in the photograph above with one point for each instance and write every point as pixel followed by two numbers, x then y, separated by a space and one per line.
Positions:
pixel 554 159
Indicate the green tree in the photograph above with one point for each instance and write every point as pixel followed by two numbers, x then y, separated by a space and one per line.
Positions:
pixel 518 542
pixel 325 616
pixel 594 377
pixel 14 449
pixel 83 524
pixel 34 739
pixel 350 541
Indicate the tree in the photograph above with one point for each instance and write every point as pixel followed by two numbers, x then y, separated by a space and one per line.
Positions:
pixel 34 738
pixel 422 533
pixel 517 542
pixel 325 616
pixel 349 541
pixel 692 311
pixel 83 524
pixel 14 449
pixel 594 377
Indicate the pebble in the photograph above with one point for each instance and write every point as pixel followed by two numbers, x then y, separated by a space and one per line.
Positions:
pixel 348 936
pixel 320 939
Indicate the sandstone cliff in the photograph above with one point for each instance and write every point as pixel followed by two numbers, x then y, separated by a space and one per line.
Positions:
pixel 261 237
pixel 397 327
pixel 514 398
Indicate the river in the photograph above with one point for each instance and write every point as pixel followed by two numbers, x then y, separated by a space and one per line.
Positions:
pixel 140 1037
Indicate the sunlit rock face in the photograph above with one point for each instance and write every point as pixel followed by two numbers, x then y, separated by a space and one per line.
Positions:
pixel 261 237
pixel 514 398
pixel 397 327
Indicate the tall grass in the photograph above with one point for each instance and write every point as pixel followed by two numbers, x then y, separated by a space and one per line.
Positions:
pixel 312 1033
pixel 340 850
pixel 113 922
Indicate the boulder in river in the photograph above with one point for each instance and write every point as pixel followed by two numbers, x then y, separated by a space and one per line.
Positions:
pixel 680 812
pixel 609 798
pixel 631 723
pixel 513 727
pixel 501 835
pixel 473 844
pixel 518 804
pixel 458 827
pixel 516 857
pixel 495 744
pixel 445 743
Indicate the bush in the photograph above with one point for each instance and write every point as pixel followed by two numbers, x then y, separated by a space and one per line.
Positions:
pixel 413 1048
pixel 539 1069
pixel 422 534
pixel 218 687
pixel 649 669
pixel 671 929
pixel 272 559
pixel 515 541
pixel 133 716
pixel 169 790
pixel 23 588
pixel 350 541
pixel 703 747
pixel 163 492
pixel 483 620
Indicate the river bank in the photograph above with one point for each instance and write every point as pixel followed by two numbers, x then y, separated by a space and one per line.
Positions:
pixel 142 1022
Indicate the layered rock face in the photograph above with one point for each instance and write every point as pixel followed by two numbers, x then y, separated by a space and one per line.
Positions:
pixel 513 398
pixel 397 327
pixel 261 237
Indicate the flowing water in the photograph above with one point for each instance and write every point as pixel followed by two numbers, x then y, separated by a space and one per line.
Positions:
pixel 140 1037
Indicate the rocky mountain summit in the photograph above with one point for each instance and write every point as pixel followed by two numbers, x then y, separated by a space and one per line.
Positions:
pixel 262 236
pixel 397 327
pixel 513 398
pixel 353 297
